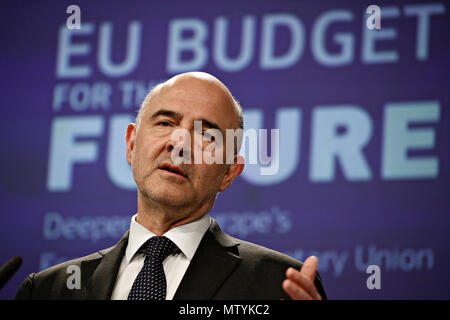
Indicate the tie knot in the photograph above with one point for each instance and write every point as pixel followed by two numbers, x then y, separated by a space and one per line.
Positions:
pixel 159 248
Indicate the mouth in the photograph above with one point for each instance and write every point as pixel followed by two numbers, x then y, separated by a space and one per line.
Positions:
pixel 170 168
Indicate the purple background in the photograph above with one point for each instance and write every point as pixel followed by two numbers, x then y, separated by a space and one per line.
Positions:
pixel 335 216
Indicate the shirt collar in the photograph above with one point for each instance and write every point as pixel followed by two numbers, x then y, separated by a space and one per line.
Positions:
pixel 187 237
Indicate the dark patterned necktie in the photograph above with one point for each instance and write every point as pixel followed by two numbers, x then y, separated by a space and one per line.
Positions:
pixel 150 284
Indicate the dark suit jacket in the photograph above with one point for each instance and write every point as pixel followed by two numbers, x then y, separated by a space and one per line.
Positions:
pixel 223 267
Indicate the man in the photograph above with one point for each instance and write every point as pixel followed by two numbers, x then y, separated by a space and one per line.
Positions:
pixel 174 249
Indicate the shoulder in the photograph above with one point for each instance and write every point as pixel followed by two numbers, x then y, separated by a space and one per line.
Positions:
pixel 261 254
pixel 262 265
pixel 63 267
pixel 251 254
pixel 42 284
pixel 271 264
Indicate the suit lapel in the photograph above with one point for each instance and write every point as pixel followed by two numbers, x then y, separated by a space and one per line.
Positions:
pixel 211 265
pixel 103 271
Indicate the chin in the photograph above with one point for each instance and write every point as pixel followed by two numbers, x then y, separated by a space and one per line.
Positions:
pixel 171 197
pixel 173 202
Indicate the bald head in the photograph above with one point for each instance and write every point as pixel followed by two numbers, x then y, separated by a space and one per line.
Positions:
pixel 204 85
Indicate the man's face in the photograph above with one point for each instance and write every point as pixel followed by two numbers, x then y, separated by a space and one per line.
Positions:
pixel 176 106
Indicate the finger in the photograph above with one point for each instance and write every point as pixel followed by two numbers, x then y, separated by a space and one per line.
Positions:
pixel 304 282
pixel 309 268
pixel 295 291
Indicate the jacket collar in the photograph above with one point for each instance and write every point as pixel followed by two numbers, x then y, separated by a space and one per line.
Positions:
pixel 103 271
pixel 213 262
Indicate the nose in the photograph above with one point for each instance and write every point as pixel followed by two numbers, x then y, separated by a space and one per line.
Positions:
pixel 179 146
pixel 171 146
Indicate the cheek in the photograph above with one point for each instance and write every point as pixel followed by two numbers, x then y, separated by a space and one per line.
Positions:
pixel 144 155
pixel 136 164
pixel 210 176
pixel 149 146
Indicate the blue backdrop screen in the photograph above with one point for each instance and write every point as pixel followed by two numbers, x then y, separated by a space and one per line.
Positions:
pixel 362 176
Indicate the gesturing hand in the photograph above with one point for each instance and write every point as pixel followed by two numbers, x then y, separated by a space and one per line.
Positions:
pixel 299 285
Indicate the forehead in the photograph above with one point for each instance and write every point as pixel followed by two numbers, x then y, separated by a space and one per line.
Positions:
pixel 195 99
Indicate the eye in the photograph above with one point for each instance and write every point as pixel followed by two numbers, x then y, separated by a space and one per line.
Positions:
pixel 163 123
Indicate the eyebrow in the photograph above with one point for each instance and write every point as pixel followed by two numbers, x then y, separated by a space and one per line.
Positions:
pixel 209 124
pixel 167 113
pixel 178 116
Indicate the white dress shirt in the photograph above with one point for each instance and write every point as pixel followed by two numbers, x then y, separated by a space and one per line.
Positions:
pixel 187 238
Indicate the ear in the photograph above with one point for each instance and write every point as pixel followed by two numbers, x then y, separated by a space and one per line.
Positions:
pixel 233 171
pixel 130 138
